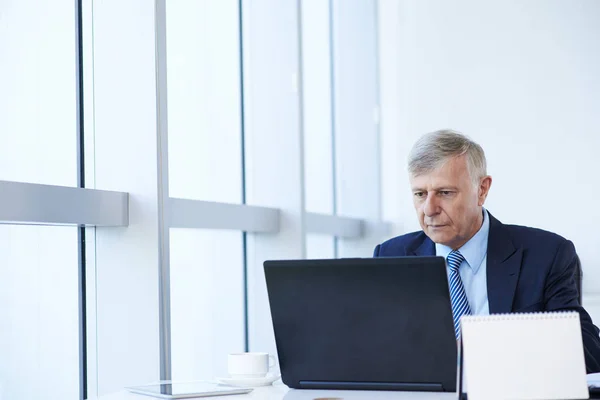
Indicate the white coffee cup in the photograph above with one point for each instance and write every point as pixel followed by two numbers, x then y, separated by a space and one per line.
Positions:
pixel 249 365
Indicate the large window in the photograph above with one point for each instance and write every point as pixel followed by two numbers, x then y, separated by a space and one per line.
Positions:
pixel 207 301
pixel 38 93
pixel 356 115
pixel 204 100
pixel 205 163
pixel 318 120
pixel 39 335
pixel 39 268
pixel 317 106
pixel 320 246
pixel 210 136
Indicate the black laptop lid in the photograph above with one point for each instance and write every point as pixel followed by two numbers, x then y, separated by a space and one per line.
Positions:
pixel 376 323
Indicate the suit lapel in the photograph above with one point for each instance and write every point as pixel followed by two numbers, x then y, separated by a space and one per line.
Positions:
pixel 503 267
pixel 503 264
pixel 422 246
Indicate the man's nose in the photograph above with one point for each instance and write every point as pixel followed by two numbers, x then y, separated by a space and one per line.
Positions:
pixel 431 206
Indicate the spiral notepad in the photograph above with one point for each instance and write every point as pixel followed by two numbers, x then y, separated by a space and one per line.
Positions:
pixel 523 356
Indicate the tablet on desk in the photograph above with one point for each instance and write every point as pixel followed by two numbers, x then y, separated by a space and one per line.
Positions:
pixel 186 390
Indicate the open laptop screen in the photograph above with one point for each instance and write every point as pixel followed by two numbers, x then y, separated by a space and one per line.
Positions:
pixel 376 323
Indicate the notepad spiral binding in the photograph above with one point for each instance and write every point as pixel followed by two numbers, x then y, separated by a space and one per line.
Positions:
pixel 521 316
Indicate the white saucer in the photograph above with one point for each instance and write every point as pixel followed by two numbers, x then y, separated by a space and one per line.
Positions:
pixel 250 382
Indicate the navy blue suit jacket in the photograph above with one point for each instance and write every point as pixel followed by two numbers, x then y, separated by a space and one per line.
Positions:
pixel 528 270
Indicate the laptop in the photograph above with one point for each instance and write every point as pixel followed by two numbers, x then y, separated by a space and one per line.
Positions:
pixel 365 324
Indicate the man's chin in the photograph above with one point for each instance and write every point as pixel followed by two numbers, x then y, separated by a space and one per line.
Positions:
pixel 438 237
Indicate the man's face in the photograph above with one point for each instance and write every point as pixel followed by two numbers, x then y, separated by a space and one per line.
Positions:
pixel 448 203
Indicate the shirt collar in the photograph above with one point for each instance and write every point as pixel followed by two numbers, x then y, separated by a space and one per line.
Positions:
pixel 475 249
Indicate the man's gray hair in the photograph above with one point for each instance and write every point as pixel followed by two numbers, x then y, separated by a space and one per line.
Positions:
pixel 432 150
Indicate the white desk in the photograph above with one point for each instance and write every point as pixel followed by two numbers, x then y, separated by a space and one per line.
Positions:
pixel 281 392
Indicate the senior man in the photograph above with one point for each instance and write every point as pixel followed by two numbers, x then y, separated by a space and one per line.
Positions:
pixel 492 267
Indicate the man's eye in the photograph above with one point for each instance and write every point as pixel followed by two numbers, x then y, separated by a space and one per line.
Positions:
pixel 419 194
pixel 445 192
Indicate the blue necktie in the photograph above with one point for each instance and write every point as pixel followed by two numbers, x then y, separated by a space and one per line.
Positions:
pixel 458 297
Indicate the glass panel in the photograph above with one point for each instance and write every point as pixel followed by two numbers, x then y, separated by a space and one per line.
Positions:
pixel 39 292
pixel 39 314
pixel 204 100
pixel 356 130
pixel 207 301
pixel 319 246
pixel 316 81
pixel 38 125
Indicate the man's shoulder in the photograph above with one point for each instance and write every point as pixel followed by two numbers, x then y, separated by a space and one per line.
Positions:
pixel 406 238
pixel 397 246
pixel 528 237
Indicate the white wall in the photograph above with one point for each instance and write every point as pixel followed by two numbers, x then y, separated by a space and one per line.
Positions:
pixel 521 78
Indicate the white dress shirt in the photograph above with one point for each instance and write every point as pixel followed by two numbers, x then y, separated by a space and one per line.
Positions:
pixel 473 270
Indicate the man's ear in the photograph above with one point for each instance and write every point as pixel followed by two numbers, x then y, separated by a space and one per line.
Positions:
pixel 484 189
